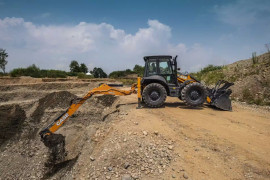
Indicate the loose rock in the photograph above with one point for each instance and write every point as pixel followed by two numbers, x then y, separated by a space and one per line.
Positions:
pixel 185 176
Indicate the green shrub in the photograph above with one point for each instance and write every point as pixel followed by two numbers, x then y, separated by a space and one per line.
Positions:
pixel 210 68
pixel 213 76
pixel 119 74
pixel 208 74
pixel 35 72
pixel 84 76
pixel 53 73
pixel 3 74
pixel 254 58
pixel 72 73
pixel 18 72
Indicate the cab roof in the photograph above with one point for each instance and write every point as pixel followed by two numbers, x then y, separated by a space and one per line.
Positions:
pixel 157 57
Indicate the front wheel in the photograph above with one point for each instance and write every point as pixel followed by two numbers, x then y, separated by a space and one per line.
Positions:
pixel 154 95
pixel 194 94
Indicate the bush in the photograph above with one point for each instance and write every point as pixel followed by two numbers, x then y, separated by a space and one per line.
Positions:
pixel 32 71
pixel 53 73
pixel 213 77
pixel 254 58
pixel 2 74
pixel 210 74
pixel 35 72
pixel 18 72
pixel 138 70
pixel 84 76
pixel 210 68
pixel 72 73
pixel 119 74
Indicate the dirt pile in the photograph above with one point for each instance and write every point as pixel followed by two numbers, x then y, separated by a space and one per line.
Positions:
pixel 54 100
pixel 251 79
pixel 12 118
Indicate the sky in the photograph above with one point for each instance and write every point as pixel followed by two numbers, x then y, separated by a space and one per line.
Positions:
pixel 116 34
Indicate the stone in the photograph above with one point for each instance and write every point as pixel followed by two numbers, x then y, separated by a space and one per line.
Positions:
pixel 170 147
pixel 145 133
pixel 156 133
pixel 126 177
pixel 185 176
pixel 92 158
pixel 126 165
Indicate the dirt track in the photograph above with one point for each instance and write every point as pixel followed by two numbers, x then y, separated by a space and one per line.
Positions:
pixel 113 140
pixel 212 144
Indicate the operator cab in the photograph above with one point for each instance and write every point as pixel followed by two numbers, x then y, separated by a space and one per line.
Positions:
pixel 164 66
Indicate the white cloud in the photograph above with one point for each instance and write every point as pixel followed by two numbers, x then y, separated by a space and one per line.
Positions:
pixel 101 45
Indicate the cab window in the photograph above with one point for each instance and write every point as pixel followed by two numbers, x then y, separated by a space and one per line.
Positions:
pixel 164 67
pixel 152 68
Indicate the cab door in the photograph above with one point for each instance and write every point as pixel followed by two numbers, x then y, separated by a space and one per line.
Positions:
pixel 165 70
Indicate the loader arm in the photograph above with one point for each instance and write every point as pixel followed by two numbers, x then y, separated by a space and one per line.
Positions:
pixel 102 89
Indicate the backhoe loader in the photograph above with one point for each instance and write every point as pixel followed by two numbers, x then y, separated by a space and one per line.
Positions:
pixel 160 79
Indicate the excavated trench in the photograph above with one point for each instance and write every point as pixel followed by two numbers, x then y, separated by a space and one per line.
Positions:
pixel 12 118
pixel 53 159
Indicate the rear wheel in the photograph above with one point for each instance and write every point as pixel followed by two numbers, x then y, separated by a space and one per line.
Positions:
pixel 154 95
pixel 193 94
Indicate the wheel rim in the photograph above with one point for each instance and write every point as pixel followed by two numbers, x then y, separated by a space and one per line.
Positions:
pixel 154 95
pixel 195 95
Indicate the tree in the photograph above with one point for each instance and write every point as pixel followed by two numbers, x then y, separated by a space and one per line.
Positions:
pixel 138 69
pixel 3 61
pixel 74 67
pixel 83 68
pixel 98 73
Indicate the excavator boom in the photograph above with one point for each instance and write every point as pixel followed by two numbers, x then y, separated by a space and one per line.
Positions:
pixel 75 104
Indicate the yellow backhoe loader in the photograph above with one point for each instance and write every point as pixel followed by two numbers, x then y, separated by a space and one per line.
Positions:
pixel 161 79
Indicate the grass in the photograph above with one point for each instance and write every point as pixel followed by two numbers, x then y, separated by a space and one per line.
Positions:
pixel 210 74
pixel 254 58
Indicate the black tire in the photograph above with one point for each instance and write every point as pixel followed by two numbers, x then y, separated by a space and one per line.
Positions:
pixel 194 94
pixel 154 95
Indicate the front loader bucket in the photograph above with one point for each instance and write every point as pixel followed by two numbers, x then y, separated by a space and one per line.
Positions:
pixel 223 102
pixel 220 95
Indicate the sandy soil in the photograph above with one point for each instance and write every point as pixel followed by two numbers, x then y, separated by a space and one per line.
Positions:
pixel 211 144
pixel 108 138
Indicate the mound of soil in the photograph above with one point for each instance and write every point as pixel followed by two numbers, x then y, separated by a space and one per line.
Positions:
pixel 53 100
pixel 106 100
pixel 12 118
